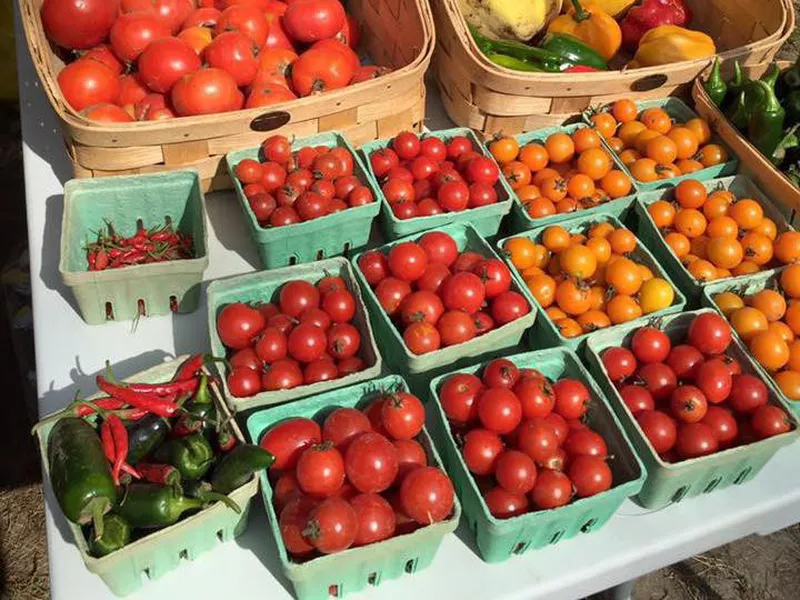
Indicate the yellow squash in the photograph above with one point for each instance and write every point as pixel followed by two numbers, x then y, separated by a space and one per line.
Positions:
pixel 509 19
pixel 667 44
pixel 592 25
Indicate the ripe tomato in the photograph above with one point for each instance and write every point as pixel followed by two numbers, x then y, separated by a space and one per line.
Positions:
pixel 536 397
pixel 306 343
pixel 132 90
pixel 561 427
pixel 298 296
pixel 508 306
pixel 458 396
pixel 238 324
pixel 552 489
pixel 537 439
pixel 466 261
pixel 482 170
pixel 271 346
pixel 247 358
pixel 360 196
pixel 236 53
pixel 453 196
pixel 351 365
pixel 709 333
pixel 206 91
pixel 287 440
pixel 344 341
pixel 322 369
pixel 458 146
pixel 407 261
pixel 282 375
pixel 245 18
pixel 658 428
pixel 433 277
pixel 406 145
pixel 244 382
pixel 77 25
pixel 340 305
pixel 481 194
pixel 483 323
pixel 768 421
pixel 332 526
pixel 421 306
pixel 281 322
pixel 480 451
pixel 747 393
pixel 439 247
pixel 320 470
pixel 173 13
pixel 421 337
pixel 659 380
pixel 374 266
pixel 722 423
pixel 403 415
pixel 85 83
pixel 108 113
pixel 308 21
pixel 268 94
pixel 133 32
pixel 572 398
pixel 410 455
pixel 499 410
pixel 503 504
pixel 684 361
pixel 316 316
pixel 319 70
pixel 422 168
pixel 376 520
pixel 637 398
pixel 103 54
pixel 284 215
pixel 620 363
pixel 650 345
pixel 285 490
pixel 515 472
pixel 495 275
pixel 390 293
pixel 590 475
pixel 166 60
pixel 201 17
pixel 371 463
pixel 292 522
pixel 427 495
pixel 455 327
pixel 500 373
pixel 383 161
pixel 586 442
pixel 274 178
pixel 714 379
pixel 343 425
pixel 695 439
pixel 277 148
pixel 463 291
pixel 688 404
pixel 433 148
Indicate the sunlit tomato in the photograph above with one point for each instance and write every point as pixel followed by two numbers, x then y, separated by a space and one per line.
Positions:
pixel 332 526
pixel 298 296
pixel 78 25
pixel 343 425
pixel 376 520
pixel 85 83
pixel 439 248
pixel 637 398
pixel 537 439
pixel 344 341
pixel 458 396
pixel 282 375
pixel 620 363
pixel 272 345
pixel 503 504
pixel 768 421
pixel 714 378
pixel 292 522
pixel 166 60
pixel 247 19
pixel 552 489
pixel 374 266
pixel 650 345
pixel 585 442
pixel 695 439
pixel 590 475
pixel 481 450
pixel 722 424
pixel 236 53
pixel 371 463
pixel 508 306
pixel 109 113
pixel 427 495
pixel 747 393
pixel 238 324
pixel 453 196
pixel 659 379
pixel 287 440
pixel 688 404
pixel 206 91
pixel 658 428
pixel 499 410
pixel 308 21
pixel 407 261
pixel 463 291
pixel 390 292
pixel 243 382
pixel 455 327
pixel 319 70
pixel 267 95
pixel 684 360
pixel 572 398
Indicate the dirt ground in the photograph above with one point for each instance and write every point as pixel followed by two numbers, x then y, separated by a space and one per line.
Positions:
pixel 755 568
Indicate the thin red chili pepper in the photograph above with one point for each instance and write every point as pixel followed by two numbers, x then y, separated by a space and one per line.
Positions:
pixel 120 437
pixel 160 474
pixel 190 367
pixel 126 468
pixel 161 406
pixel 109 448
pixel 83 410
pixel 184 386
pixel 226 440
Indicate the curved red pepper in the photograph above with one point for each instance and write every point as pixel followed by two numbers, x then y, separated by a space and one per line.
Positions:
pixel 650 14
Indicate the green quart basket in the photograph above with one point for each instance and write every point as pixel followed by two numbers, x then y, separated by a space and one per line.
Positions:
pixel 331 235
pixel 139 290
pixel 740 185
pixel 263 287
pixel 680 113
pixel 485 219
pixel 522 221
pixel 154 555
pixel 673 482
pixel 418 369
pixel 356 569
pixel 544 332
pixel 747 287
pixel 500 539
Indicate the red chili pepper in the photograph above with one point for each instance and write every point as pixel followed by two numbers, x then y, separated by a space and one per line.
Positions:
pixel 83 410
pixel 226 440
pixel 161 406
pixel 126 468
pixel 190 367
pixel 109 448
pixel 120 436
pixel 160 474
pixel 131 414
pixel 581 69
pixel 186 425
pixel 184 386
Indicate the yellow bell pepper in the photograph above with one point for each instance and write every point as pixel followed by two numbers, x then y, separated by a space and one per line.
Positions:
pixel 667 44
pixel 592 25
pixel 616 8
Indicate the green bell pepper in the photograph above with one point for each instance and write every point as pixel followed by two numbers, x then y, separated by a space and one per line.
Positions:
pixel 191 455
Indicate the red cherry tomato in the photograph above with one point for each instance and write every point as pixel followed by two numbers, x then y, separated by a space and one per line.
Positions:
pixel 406 145
pixel 714 379
pixel 298 296
pixel 637 398
pixel 427 495
pixel 344 341
pixel 747 393
pixel 515 472
pixel 282 375
pixel 376 520
pixel 572 398
pixel 722 423
pixel 421 306
pixel 306 343
pixel 439 247
pixel 500 373
pixel 499 410
pixel 292 522
pixel 371 463
pixel 495 275
pixel 332 526
pixel 659 380
pixel 480 451
pixel 768 421
pixel 503 504
pixel 320 470
pixel 272 345
pixel 620 363
pixel 344 424
pixel 375 266
pixel 455 327
pixel 434 149
pixel 390 293
pixel 403 415
pixel 464 292
pixel 650 345
pixel 322 369
pixel 509 306
pixel 658 428
pixel 340 305
pixel 422 337
pixel 537 439
pixel 458 396
pixel 709 333
pixel 287 440
pixel 244 382
pixel 407 261
pixel 684 360
pixel 590 475
pixel 586 442
pixel 238 324
pixel 552 489
pixel 695 439
pixel 688 404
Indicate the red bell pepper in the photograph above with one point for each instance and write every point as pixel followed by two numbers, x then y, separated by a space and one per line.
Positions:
pixel 650 14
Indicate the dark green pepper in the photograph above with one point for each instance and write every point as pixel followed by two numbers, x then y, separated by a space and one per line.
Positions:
pixel 737 112
pixel 146 435
pixel 573 50
pixel 509 62
pixel 191 455
pixel 202 491
pixel 792 105
pixel 766 123
pixel 754 95
pixel 734 86
pixel 787 143
pixel 790 79
pixel 715 86
pixel 116 534
pixel 202 407
pixel 238 466
pixel 80 473
pixel 147 506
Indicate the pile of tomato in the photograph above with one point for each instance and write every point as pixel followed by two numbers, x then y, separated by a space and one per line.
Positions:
pixel 653 146
pixel 292 187
pixel 717 235
pixel 692 399
pixel 158 59
pixel 425 177
pixel 524 438
pixel 565 174
pixel 768 322
pixel 438 296
pixel 588 281
pixel 359 479
pixel 306 336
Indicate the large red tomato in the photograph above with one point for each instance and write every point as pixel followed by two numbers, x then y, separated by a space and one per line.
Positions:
pixel 238 324
pixel 131 89
pixel 78 24
pixel 88 82
pixel 109 113
pixel 308 21
pixel 267 95
pixel 206 91
pixel 289 439
pixel 197 38
pixel 276 61
pixel 236 53
pixel 319 70
pixel 463 291
pixel 201 17
pixel 245 18
pixel 336 46
pixel 132 32
pixel 171 12
pixel 165 61
pixel 105 55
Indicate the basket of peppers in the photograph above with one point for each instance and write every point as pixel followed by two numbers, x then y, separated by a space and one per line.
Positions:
pixel 149 471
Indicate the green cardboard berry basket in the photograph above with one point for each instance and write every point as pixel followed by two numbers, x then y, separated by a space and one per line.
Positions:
pixel 263 287
pixel 418 369
pixel 486 219
pixel 544 332
pixel 740 185
pixel 500 539
pixel 672 482
pixel 331 235
pixel 139 290
pixel 746 287
pixel 354 569
pixel 158 553
pixel 522 221
pixel 681 113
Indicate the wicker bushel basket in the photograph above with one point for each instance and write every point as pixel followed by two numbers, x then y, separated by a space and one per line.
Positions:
pixel 481 95
pixel 375 109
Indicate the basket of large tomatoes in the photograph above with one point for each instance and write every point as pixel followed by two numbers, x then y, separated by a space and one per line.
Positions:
pixel 703 231
pixel 141 86
pixel 692 401
pixel 357 494
pixel 534 449
pixel 587 274
pixel 764 311
pixel 290 333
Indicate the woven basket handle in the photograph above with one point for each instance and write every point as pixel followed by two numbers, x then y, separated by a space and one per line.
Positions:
pixel 270 121
pixel 649 82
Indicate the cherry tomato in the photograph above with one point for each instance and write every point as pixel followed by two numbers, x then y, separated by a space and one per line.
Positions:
pixel 659 380
pixel 376 520
pixel 650 345
pixel 247 358
pixel 439 247
pixel 572 398
pixel 421 306
pixel 287 440
pixel 480 451
pixel 586 442
pixel 344 424
pixel 463 291
pixel 466 261
pixel 244 382
pixel 453 196
pixel 371 463
pixel 637 398
pixel 481 194
pixel 515 472
pixel 344 341
pixel 620 363
pixel 406 145
pixel 340 305
pixel 292 521
pixel 316 316
pixel 306 343
pixel 590 475
pixel 722 423
pixel 495 275
pixel 320 470
pixel 351 365
pixel 422 337
pixel 536 397
pixel 410 455
pixel 695 439
pixel 407 261
pixel 277 148
pixel 434 149
pixel 747 393
pixel 684 360
pixel 282 375
pixel 499 410
pixel 552 489
pixel 483 323
pixel 458 146
pixel 560 426
pixel 455 327
pixel 458 396
pixel 688 404
pixel 503 504
pixel 322 369
pixel 382 161
pixel 509 306
pixel 331 283
pixel 285 490
pixel 272 345
pixel 427 495
pixel 768 421
pixel 390 293
pixel 501 373
pixel 714 379
pixel 238 324
pixel 537 439
pixel 658 428
pixel 298 296
pixel 482 170
pixel 709 333
pixel 332 526
pixel 403 415
pixel 375 266
pixel 281 322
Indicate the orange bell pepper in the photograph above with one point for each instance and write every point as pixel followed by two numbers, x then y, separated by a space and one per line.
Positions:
pixel 592 25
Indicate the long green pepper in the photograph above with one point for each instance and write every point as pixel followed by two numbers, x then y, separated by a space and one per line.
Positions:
pixel 765 129
pixel 715 85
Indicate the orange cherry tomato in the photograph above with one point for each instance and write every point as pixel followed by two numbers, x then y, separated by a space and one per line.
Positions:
pixel 748 321
pixel 585 138
pixel 690 193
pixel 517 174
pixel 622 241
pixel 539 207
pixel 787 247
pixel 686 144
pixel 688 165
pixel 700 129
pixel 661 149
pixel 679 243
pixel 504 149
pixel 712 155
pixel 623 308
pixel 534 156
pixel 624 110
pixel 580 186
pixel 644 170
pixel 662 213
pixel 702 270
pixel 757 248
pixel 771 304
pixel 605 124
pixel 722 227
pixel 560 147
pixel 690 222
pixel 725 252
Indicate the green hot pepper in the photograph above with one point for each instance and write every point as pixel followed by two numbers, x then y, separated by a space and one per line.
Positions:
pixel 715 85
pixel 765 129
pixel 734 87
pixel 737 112
pixel 191 455
pixel 80 473
pixel 116 534
pixel 754 95
pixel 202 491
pixel 202 408
pixel 515 64
pixel 789 143
pixel 238 465
pixel 148 506
pixel 145 436
pixel 573 50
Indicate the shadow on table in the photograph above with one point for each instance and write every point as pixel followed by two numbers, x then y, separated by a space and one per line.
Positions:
pixel 189 331
pixel 466 535
pixel 51 250
pixel 228 223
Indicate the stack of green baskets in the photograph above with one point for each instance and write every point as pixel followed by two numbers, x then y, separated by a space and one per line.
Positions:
pixel 262 287
pixel 680 113
pixel 673 482
pixel 355 569
pixel 544 333
pixel 158 553
pixel 418 369
pixel 485 219
pixel 331 235
pixel 740 185
pixel 140 290
pixel 499 539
